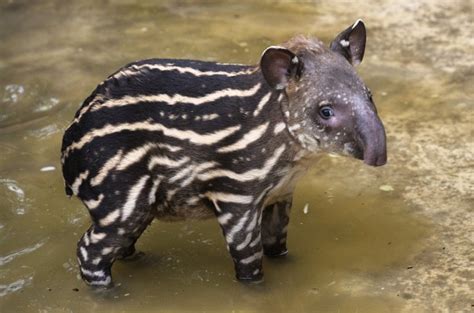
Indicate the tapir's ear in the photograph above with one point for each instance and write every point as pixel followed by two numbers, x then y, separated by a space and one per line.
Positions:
pixel 279 65
pixel 351 43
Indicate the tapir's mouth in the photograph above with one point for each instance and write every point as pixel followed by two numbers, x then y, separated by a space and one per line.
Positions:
pixel 369 156
pixel 375 154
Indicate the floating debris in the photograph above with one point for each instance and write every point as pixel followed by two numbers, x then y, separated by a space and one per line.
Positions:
pixel 48 168
pixel 386 188
pixel 306 208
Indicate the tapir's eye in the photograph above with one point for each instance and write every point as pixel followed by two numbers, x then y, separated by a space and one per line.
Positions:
pixel 326 112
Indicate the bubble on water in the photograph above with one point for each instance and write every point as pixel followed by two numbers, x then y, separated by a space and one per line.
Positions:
pixel 13 93
pixel 13 186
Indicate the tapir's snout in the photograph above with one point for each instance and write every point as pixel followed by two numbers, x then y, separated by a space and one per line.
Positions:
pixel 375 156
pixel 372 140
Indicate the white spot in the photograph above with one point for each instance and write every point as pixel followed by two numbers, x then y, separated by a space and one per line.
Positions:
pixel 344 43
pixel 278 128
pixel 306 208
pixel 107 250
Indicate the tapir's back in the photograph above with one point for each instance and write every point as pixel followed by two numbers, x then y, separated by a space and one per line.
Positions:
pixel 179 103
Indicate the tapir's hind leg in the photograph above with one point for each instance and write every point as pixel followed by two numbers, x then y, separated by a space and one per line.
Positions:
pixel 112 236
pixel 274 228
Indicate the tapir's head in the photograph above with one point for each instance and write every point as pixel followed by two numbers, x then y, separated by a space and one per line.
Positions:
pixel 326 105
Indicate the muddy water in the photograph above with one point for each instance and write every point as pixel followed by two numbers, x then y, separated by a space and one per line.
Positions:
pixel 360 239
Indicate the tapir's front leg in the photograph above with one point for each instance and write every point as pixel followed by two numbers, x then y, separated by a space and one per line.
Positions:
pixel 274 228
pixel 241 227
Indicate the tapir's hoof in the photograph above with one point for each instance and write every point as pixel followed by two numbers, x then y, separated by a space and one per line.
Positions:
pixel 99 283
pixel 253 280
pixel 135 256
pixel 276 253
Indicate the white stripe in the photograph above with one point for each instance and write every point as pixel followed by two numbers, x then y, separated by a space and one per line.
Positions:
pixel 244 243
pixel 253 174
pixel 237 227
pixel 86 239
pixel 78 181
pixel 84 253
pixel 253 222
pixel 224 218
pixel 132 197
pixel 262 103
pixel 263 194
pixel 278 128
pixel 134 70
pixel 92 274
pixel 108 166
pixel 192 200
pixel 110 218
pixel 252 258
pixel 176 98
pixel 104 282
pixel 93 204
pixel 193 137
pixel 86 108
pixel 135 155
pixel 185 171
pixel 256 240
pixel 154 188
pixel 165 161
pixel 252 136
pixel 96 237
pixel 198 169
pixel 229 197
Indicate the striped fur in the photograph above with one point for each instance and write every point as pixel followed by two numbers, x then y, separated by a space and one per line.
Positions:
pixel 175 139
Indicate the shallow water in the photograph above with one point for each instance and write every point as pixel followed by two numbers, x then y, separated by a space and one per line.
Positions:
pixel 361 239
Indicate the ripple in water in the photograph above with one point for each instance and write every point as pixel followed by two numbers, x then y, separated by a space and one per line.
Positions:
pixel 19 198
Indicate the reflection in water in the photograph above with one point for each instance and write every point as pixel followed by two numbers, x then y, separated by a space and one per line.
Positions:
pixel 360 239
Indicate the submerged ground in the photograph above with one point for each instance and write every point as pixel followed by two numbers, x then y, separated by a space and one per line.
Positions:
pixel 391 239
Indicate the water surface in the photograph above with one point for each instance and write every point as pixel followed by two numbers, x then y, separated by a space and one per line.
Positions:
pixel 360 239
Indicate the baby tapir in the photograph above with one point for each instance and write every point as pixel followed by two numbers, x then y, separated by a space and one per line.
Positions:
pixel 174 139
